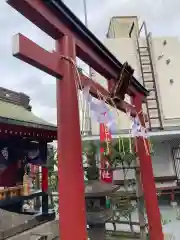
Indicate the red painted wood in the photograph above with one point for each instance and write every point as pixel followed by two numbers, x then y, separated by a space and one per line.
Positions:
pixel 42 17
pixel 8 130
pixel 70 170
pixel 149 187
pixel 44 179
pixel 31 53
pixel 105 137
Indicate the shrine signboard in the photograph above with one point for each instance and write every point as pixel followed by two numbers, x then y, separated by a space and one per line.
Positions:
pixel 105 138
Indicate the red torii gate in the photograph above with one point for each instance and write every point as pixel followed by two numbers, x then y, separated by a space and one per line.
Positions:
pixel 74 39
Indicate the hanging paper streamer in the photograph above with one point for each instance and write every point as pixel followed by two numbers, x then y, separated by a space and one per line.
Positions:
pixel 136 129
pixel 99 110
pixel 87 96
pixel 113 124
pixel 101 113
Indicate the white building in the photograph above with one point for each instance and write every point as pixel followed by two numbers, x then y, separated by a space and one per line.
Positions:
pixel 156 64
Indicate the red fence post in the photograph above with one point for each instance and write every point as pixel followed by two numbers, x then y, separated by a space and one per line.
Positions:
pixel 72 214
pixel 147 177
pixel 44 186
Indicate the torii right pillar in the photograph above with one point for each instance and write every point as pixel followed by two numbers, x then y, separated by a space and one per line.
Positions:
pixel 147 178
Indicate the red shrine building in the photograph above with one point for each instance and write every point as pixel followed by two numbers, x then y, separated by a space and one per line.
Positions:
pixel 17 119
pixel 23 142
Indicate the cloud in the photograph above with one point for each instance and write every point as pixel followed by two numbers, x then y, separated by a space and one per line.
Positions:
pixel 162 17
pixel 18 75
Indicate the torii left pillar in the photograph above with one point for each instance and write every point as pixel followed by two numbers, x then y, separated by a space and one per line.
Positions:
pixel 70 169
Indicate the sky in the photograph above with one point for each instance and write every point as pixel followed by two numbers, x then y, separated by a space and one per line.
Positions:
pixel 161 16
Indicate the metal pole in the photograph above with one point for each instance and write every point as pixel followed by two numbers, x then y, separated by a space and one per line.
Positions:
pixel 90 69
pixel 85 13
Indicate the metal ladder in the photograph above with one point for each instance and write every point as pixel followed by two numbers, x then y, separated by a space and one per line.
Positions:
pixel 176 162
pixel 149 82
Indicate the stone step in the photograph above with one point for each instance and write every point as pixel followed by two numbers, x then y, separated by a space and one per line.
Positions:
pixel 49 229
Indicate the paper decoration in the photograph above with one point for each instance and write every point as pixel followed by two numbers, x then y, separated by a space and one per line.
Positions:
pixel 99 110
pixel 102 114
pixel 86 94
pixel 171 230
pixel 137 130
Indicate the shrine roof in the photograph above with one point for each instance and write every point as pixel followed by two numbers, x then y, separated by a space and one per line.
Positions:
pixel 15 114
pixel 67 16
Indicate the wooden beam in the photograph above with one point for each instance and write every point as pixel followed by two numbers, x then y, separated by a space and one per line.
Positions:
pixel 28 51
pixel 50 62
pixel 39 14
pixel 57 23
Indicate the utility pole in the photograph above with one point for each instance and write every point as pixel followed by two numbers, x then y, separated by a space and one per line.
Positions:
pixel 85 13
pixel 88 119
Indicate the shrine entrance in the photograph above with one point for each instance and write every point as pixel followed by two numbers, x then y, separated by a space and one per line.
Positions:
pixel 73 40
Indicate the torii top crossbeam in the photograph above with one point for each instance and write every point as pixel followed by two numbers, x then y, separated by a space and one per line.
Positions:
pixel 88 47
pixel 73 40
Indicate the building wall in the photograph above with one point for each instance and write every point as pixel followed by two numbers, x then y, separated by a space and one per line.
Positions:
pixel 122 121
pixel 124 49
pixel 162 164
pixel 162 159
pixel 167 77
pixel 167 74
pixel 121 27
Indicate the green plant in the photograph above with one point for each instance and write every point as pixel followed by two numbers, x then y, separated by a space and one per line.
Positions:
pixel 117 153
pixel 90 150
pixel 120 152
pixel 52 174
